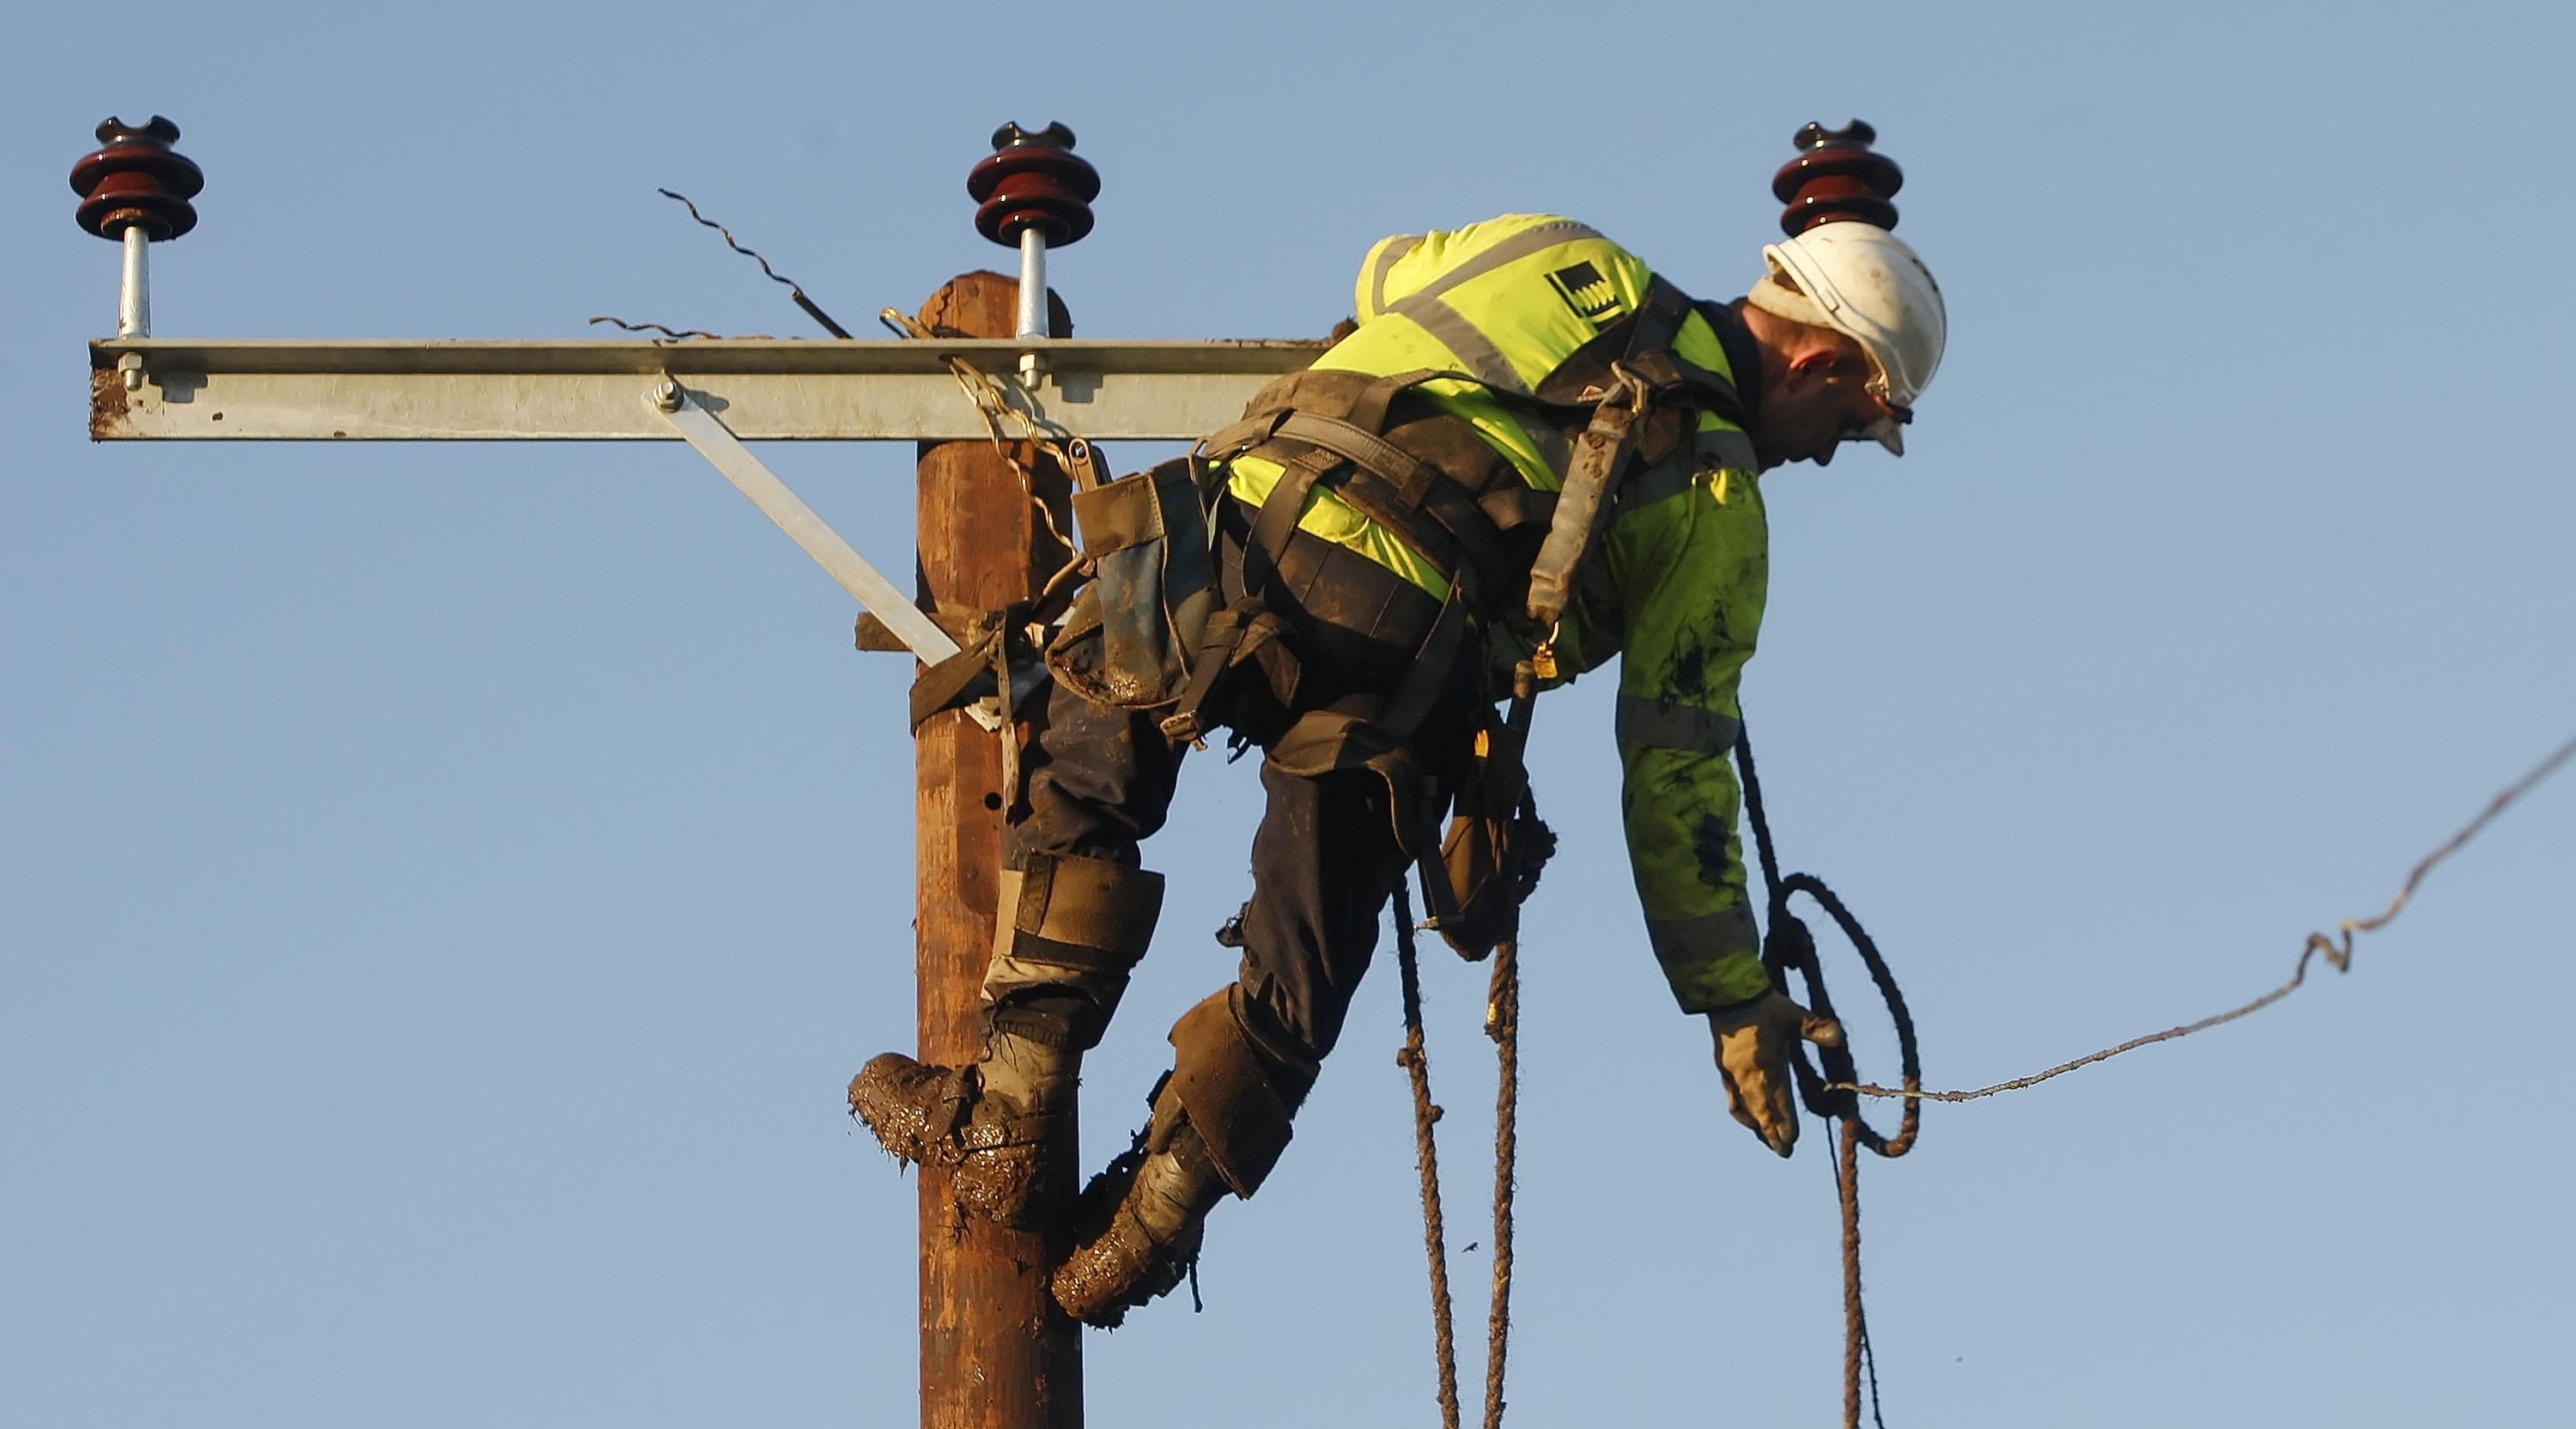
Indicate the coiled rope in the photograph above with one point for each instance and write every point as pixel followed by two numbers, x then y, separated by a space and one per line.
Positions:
pixel 1825 1092
pixel 1832 1092
pixel 1789 947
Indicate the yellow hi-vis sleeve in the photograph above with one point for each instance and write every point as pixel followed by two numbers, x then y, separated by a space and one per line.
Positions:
pixel 1692 570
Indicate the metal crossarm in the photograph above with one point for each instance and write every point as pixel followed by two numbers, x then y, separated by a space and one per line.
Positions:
pixel 765 389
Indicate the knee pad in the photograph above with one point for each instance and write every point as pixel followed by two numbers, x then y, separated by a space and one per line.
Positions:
pixel 1232 1096
pixel 1067 926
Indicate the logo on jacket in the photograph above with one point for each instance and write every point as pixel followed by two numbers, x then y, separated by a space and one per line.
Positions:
pixel 1587 292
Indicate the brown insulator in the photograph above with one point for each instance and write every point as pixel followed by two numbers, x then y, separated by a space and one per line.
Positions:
pixel 1835 178
pixel 137 181
pixel 1033 180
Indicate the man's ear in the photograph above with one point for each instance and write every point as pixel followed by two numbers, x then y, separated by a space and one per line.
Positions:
pixel 1810 371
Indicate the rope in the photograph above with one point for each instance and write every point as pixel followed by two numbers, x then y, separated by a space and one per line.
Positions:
pixel 993 405
pixel 1503 1023
pixel 1426 1158
pixel 1830 1093
pixel 2338 954
pixel 1835 1093
pixel 1859 1360
pixel 1855 1321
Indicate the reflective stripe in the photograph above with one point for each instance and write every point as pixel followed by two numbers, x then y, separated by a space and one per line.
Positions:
pixel 1711 451
pixel 1476 352
pixel 1711 961
pixel 1387 257
pixel 1510 250
pixel 1665 725
pixel 1710 935
pixel 1665 479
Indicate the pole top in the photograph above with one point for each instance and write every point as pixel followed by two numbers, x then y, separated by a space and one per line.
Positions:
pixel 137 181
pixel 1836 178
pixel 1033 180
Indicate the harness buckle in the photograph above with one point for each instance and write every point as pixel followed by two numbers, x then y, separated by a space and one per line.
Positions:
pixel 1184 728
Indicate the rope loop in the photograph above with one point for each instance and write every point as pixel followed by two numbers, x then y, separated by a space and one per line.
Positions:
pixel 1827 1092
pixel 1789 947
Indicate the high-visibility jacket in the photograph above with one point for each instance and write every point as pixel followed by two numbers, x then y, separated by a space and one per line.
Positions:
pixel 1675 583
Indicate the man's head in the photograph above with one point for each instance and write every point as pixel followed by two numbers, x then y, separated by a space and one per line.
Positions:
pixel 1815 392
pixel 1851 327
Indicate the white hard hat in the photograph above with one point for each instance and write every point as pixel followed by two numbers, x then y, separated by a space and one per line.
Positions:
pixel 1864 282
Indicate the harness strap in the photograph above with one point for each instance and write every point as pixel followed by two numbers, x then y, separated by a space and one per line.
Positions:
pixel 1514 506
pixel 1456 535
pixel 1428 675
pixel 1411 476
pixel 1399 489
pixel 1601 455
pixel 1271 531
pixel 1280 511
pixel 1214 657
pixel 1339 420
pixel 1354 397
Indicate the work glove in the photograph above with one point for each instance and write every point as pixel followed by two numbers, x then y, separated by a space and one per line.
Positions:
pixel 1756 1043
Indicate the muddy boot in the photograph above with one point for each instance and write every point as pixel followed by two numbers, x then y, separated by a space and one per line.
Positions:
pixel 1221 1120
pixel 991 1123
pixel 1137 1227
pixel 1074 928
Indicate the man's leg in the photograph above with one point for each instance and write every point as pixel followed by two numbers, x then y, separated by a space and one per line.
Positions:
pixel 1324 862
pixel 1075 914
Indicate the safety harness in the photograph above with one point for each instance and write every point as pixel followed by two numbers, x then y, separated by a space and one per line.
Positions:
pixel 1508 550
pixel 1445 492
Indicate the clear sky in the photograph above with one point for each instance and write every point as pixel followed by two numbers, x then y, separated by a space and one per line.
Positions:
pixel 444 889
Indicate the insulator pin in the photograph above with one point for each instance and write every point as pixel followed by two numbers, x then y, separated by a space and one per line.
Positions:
pixel 1033 181
pixel 1836 178
pixel 137 181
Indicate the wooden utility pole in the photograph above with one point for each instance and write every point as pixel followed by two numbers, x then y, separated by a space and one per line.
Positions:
pixel 996 1353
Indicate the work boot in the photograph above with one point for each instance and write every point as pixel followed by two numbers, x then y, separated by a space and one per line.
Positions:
pixel 1220 1121
pixel 990 1123
pixel 1137 1229
pixel 1071 930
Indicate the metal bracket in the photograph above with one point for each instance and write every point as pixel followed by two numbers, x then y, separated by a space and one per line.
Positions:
pixel 811 533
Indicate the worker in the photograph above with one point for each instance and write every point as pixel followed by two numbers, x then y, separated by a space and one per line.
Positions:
pixel 1378 532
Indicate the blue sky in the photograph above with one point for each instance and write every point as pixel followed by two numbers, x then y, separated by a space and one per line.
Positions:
pixel 443 889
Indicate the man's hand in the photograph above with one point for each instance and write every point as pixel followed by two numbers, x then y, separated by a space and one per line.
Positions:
pixel 1755 1043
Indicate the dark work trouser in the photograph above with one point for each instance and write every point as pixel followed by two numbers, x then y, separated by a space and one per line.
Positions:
pixel 1325 859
